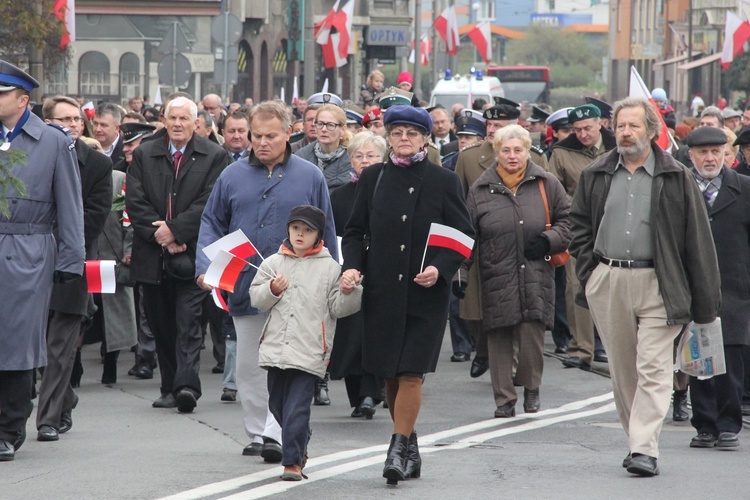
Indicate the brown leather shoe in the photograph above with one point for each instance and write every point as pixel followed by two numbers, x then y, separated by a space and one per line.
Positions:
pixel 531 400
pixel 506 411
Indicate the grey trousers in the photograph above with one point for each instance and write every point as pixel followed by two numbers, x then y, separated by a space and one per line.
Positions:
pixel 530 339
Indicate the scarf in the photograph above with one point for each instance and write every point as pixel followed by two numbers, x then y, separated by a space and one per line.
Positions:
pixel 405 162
pixel 511 181
pixel 326 158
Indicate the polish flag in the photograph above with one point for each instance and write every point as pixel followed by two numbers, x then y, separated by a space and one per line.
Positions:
pixel 100 276
pixel 482 38
pixel 235 243
pixel 89 110
pixel 65 11
pixel 219 299
pixel 335 45
pixel 639 89
pixel 446 25
pixel 425 47
pixel 736 36
pixel 224 271
pixel 295 91
pixel 125 216
pixel 447 237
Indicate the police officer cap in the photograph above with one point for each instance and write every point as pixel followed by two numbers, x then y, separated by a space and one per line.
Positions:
pixel 354 113
pixel 503 100
pixel 408 115
pixel 134 130
pixel 604 107
pixel 559 119
pixel 583 112
pixel 12 78
pixel 706 136
pixel 310 215
pixel 470 122
pixel 501 112
pixel 394 96
pixel 373 114
pixel 743 137
pixel 537 115
pixel 325 98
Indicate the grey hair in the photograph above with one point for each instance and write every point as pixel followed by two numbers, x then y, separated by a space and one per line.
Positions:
pixel 715 112
pixel 651 119
pixel 109 108
pixel 362 139
pixel 511 132
pixel 206 118
pixel 179 102
pixel 274 109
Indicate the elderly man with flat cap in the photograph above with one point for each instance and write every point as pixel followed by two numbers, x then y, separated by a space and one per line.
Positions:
pixel 569 158
pixel 717 402
pixel 470 165
pixel 33 258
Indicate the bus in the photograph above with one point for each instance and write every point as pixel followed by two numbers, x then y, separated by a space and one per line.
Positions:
pixel 523 83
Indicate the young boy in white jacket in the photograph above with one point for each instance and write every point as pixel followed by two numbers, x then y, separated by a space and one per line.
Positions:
pixel 302 288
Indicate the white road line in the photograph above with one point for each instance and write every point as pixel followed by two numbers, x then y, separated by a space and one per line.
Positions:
pixel 425 441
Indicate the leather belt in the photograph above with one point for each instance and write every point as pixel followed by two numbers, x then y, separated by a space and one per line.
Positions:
pixel 629 264
pixel 24 228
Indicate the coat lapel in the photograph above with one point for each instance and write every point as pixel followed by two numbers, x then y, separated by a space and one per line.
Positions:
pixel 729 193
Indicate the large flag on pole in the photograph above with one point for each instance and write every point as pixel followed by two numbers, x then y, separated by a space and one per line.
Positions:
pixel 639 89
pixel 446 25
pixel 482 38
pixel 64 10
pixel 425 47
pixel 736 36
pixel 335 45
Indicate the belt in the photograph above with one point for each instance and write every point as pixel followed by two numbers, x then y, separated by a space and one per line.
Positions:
pixel 630 264
pixel 23 228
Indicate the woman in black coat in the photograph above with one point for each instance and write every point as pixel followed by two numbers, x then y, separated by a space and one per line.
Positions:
pixel 364 389
pixel 405 301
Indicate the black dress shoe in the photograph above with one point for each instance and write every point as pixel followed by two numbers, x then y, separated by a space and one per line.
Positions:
pixel 460 357
pixel 506 411
pixel 66 417
pixel 643 465
pixel 479 366
pixel 356 413
pixel 47 433
pixel 679 406
pixel 576 362
pixel 144 371
pixel 626 461
pixel 7 451
pixel 703 440
pixel 165 401
pixel 561 349
pixel 185 401
pixel 271 451
pixel 367 407
pixel 531 400
pixel 601 357
pixel 727 440
pixel 218 368
pixel 253 450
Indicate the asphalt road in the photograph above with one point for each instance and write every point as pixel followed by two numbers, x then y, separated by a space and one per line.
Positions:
pixel 121 448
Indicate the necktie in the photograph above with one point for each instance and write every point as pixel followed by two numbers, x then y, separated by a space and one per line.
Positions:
pixel 237 156
pixel 176 159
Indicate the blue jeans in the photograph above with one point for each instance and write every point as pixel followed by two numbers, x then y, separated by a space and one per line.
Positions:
pixel 290 394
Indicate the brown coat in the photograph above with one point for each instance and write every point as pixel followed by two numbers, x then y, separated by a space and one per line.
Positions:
pixel 570 157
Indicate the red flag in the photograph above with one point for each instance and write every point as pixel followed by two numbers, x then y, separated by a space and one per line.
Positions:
pixel 639 89
pixel 64 10
pixel 425 47
pixel 446 25
pixel 482 38
pixel 224 271
pixel 736 35
pixel 89 110
pixel 100 276
pixel 333 35
pixel 235 243
pixel 448 237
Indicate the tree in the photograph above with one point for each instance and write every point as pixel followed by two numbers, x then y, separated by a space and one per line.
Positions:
pixel 21 28
pixel 568 54
pixel 737 77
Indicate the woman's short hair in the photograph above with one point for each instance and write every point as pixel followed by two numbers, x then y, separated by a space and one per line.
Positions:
pixel 340 117
pixel 271 109
pixel 650 120
pixel 511 132
pixel 362 139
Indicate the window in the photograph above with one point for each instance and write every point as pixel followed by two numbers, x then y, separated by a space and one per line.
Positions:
pixel 130 76
pixel 93 74
pixel 56 81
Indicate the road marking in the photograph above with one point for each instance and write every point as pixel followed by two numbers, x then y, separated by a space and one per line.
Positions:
pixel 538 420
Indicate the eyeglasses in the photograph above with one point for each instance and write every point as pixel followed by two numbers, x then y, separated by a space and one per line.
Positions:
pixel 69 119
pixel 411 134
pixel 329 125
pixel 372 157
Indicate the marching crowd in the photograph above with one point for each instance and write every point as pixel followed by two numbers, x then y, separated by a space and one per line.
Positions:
pixel 580 223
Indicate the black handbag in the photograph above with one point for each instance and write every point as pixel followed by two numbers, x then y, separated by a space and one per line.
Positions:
pixel 179 266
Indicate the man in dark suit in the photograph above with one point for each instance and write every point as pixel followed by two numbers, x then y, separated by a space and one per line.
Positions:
pixel 106 122
pixel 169 182
pixel 70 301
pixel 236 134
pixel 442 134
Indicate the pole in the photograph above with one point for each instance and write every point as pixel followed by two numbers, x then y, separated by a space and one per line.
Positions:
pixel 417 47
pixel 309 43
pixel 226 55
pixel 690 53
pixel 174 56
pixel 36 59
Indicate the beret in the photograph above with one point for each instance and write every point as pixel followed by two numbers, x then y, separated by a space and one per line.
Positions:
pixel 372 114
pixel 408 115
pixel 706 136
pixel 325 98
pixel 604 107
pixel 12 77
pixel 393 96
pixel 583 112
pixel 134 130
pixel 559 119
pixel 470 122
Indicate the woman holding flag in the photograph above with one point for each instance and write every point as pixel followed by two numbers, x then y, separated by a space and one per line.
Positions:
pixel 406 283
pixel 509 211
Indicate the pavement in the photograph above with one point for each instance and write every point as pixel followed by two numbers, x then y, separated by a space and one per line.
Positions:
pixel 122 448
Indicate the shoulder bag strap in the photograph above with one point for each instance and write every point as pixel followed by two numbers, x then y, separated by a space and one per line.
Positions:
pixel 542 189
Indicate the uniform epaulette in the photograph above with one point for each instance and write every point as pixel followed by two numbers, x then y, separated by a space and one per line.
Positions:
pixel 431 144
pixel 537 149
pixel 61 128
pixel 476 145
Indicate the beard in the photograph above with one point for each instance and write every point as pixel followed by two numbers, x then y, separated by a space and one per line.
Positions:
pixel 634 149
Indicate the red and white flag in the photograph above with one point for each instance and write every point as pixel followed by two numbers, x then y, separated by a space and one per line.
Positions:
pixel 425 47
pixel 100 276
pixel 65 11
pixel 448 237
pixel 125 216
pixel 219 299
pixel 736 36
pixel 639 89
pixel 482 38
pixel 89 110
pixel 335 44
pixel 235 243
pixel 295 91
pixel 224 271
pixel 446 25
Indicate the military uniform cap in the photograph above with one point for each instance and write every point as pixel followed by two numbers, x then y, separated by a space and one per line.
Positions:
pixel 325 98
pixel 12 77
pixel 537 115
pixel 604 107
pixel 706 136
pixel 134 130
pixel 507 102
pixel 393 96
pixel 743 137
pixel 354 113
pixel 501 112
pixel 583 112
pixel 470 122
pixel 559 119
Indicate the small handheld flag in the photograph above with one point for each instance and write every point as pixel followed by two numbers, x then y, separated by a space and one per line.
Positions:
pixel 448 237
pixel 100 276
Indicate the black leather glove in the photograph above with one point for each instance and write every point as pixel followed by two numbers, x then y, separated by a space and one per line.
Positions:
pixel 460 282
pixel 62 277
pixel 537 248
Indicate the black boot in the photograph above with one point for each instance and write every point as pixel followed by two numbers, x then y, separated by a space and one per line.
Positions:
pixel 321 392
pixel 77 373
pixel 396 460
pixel 413 468
pixel 679 406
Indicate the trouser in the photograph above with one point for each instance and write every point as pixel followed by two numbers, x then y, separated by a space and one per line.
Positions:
pixel 359 387
pixel 213 319
pixel 717 402
pixel 579 319
pixel 560 331
pixel 230 365
pixel 746 383
pixel 290 393
pixel 252 384
pixel 680 380
pixel 461 339
pixel 146 347
pixel 530 339
pixel 629 312
pixel 480 338
pixel 55 393
pixel 173 310
pixel 15 405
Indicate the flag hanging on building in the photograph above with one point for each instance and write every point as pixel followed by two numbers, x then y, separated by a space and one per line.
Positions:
pixel 425 47
pixel 333 34
pixel 639 89
pixel 736 36
pixel 446 25
pixel 65 11
pixel 482 38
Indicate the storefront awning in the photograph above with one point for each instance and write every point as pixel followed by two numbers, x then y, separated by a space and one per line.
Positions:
pixel 700 62
pixel 672 60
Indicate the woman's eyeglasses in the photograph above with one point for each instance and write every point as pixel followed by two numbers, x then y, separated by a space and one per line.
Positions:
pixel 411 134
pixel 329 125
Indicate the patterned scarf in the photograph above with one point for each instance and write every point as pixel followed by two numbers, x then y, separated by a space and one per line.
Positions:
pixel 326 158
pixel 405 162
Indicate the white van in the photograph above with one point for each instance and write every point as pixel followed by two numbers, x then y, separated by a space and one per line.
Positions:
pixel 456 89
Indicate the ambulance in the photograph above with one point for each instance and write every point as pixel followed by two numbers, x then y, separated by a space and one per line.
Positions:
pixel 465 89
